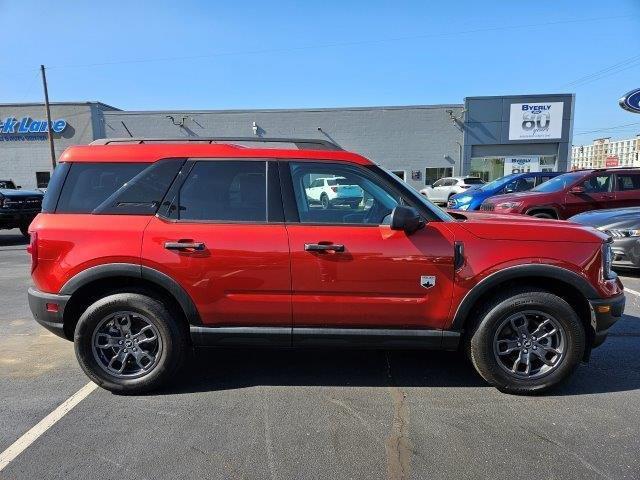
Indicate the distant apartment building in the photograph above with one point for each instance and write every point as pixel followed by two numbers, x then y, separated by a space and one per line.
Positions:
pixel 604 152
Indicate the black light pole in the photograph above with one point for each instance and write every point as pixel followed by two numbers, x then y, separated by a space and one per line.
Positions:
pixel 46 104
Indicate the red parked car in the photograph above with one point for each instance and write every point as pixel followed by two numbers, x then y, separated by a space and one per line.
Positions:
pixel 146 249
pixel 572 193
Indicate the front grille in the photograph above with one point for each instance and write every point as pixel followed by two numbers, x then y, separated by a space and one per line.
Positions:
pixel 489 207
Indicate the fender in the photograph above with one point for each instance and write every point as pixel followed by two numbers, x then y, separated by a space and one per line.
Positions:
pixel 519 271
pixel 141 272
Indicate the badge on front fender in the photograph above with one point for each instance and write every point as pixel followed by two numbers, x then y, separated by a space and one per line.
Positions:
pixel 427 281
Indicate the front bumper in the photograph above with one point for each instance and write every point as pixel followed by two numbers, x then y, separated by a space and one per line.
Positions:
pixel 604 313
pixel 52 321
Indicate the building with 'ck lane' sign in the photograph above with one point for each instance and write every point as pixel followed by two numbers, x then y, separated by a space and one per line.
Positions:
pixel 483 136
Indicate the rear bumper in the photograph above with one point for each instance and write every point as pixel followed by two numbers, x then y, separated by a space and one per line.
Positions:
pixel 604 313
pixel 52 321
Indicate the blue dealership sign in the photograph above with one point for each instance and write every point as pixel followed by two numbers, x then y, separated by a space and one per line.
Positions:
pixel 631 101
pixel 27 129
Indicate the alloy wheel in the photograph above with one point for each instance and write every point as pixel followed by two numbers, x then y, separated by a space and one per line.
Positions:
pixel 529 344
pixel 126 344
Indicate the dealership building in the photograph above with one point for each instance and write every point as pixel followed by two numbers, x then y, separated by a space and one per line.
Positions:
pixel 485 136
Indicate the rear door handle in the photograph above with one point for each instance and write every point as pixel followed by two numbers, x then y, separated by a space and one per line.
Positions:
pixel 323 247
pixel 197 246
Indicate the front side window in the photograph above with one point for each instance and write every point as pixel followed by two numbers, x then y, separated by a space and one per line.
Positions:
pixel 233 191
pixel 350 197
pixel 597 184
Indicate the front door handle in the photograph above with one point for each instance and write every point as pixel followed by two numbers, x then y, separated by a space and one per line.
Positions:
pixel 323 247
pixel 195 246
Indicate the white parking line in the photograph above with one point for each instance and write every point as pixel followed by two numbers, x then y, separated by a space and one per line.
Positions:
pixel 633 292
pixel 43 425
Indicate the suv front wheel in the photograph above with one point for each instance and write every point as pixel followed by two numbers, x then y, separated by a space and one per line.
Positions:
pixel 527 341
pixel 129 343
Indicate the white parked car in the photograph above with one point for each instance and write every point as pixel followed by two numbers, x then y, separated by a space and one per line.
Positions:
pixel 443 189
pixel 334 191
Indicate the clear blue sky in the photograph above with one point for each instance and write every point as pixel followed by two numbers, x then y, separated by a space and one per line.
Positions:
pixel 323 53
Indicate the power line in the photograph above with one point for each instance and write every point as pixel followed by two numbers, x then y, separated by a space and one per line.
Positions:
pixel 607 129
pixel 605 70
pixel 337 44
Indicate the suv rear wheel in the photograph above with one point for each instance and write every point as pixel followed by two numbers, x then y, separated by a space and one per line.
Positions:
pixel 129 343
pixel 527 341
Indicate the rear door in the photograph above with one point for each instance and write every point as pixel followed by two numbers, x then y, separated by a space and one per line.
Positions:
pixel 598 194
pixel 627 190
pixel 220 234
pixel 349 269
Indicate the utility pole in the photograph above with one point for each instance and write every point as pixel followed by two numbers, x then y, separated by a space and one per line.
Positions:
pixel 46 104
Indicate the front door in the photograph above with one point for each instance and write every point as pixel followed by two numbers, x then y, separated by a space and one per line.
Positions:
pixel 597 194
pixel 225 245
pixel 350 270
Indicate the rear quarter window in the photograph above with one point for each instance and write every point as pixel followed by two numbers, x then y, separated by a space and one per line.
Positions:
pixel 116 188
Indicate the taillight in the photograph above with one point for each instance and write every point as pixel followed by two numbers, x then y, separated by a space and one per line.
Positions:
pixel 335 189
pixel 33 250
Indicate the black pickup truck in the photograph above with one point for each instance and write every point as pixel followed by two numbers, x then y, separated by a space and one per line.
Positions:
pixel 18 207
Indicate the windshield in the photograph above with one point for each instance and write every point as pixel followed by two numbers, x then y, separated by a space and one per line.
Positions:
pixel 498 182
pixel 558 183
pixel 8 184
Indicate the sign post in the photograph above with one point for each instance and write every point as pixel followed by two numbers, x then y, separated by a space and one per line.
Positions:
pixel 49 126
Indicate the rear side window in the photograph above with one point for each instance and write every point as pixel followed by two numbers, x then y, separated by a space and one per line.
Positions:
pixel 115 188
pixel 234 191
pixel 473 181
pixel 628 181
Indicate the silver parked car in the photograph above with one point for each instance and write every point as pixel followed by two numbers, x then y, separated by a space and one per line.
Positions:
pixel 623 224
pixel 445 188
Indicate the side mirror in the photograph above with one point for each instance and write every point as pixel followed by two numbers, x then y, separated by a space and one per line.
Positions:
pixel 18 187
pixel 407 219
pixel 577 190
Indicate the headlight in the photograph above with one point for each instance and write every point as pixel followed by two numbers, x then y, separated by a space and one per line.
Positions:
pixel 508 205
pixel 465 199
pixel 463 207
pixel 607 258
pixel 624 233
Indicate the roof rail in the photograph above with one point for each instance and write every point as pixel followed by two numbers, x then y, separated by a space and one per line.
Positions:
pixel 301 143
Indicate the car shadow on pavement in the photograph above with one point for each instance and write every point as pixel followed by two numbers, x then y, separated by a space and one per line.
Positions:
pixel 226 369
pixel 11 240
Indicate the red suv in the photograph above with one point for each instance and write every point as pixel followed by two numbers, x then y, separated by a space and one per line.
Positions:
pixel 146 249
pixel 572 193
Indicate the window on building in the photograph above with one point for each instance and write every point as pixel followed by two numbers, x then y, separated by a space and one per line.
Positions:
pixel 224 191
pixel 400 173
pixel 433 174
pixel 42 179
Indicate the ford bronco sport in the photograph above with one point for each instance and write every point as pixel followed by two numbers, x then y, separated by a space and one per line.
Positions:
pixel 145 249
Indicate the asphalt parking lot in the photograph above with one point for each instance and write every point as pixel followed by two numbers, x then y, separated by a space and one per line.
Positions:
pixel 313 414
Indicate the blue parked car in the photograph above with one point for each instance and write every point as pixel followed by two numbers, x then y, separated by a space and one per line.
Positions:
pixel 516 182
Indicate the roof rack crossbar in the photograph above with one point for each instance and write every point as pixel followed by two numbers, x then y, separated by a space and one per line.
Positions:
pixel 301 143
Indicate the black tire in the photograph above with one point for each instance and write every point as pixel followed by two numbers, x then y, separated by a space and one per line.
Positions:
pixel 324 201
pixel 481 347
pixel 24 230
pixel 543 215
pixel 168 360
